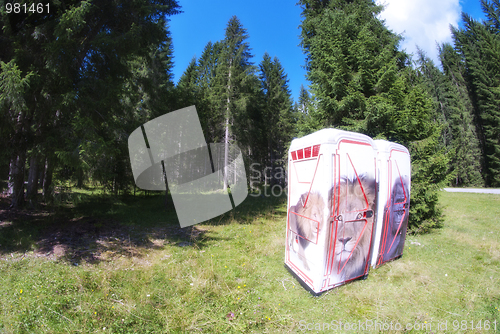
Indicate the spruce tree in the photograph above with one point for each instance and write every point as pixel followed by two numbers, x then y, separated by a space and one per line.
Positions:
pixel 349 55
pixel 187 90
pixel 236 72
pixel 277 118
pixel 13 85
pixel 466 156
pixel 79 54
pixel 304 114
pixel 304 101
pixel 363 83
pixel 210 83
pixel 479 45
pixel 226 90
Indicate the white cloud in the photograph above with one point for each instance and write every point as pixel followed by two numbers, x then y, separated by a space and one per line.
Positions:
pixel 421 22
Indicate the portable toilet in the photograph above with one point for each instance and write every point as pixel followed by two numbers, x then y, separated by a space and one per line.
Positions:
pixel 331 203
pixel 394 178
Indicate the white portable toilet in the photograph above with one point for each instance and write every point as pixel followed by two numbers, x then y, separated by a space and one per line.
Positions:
pixel 394 179
pixel 331 202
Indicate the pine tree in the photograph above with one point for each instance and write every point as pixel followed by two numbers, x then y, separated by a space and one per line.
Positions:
pixel 223 85
pixel 304 114
pixel 433 79
pixel 13 85
pixel 304 101
pixel 277 118
pixel 210 82
pixel 79 55
pixel 350 53
pixel 363 83
pixel 237 73
pixel 466 154
pixel 187 90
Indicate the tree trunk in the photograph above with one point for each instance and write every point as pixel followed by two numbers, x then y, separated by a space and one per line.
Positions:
pixel 79 175
pixel 41 174
pixel 47 182
pixel 226 154
pixel 4 173
pixel 32 188
pixel 16 180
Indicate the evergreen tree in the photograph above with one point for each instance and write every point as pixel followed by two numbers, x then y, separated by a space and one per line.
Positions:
pixel 187 90
pixel 304 114
pixel 210 82
pixel 304 101
pixel 237 73
pixel 79 54
pixel 434 81
pixel 224 86
pixel 351 56
pixel 13 85
pixel 363 83
pixel 98 145
pixel 277 118
pixel 465 150
pixel 479 45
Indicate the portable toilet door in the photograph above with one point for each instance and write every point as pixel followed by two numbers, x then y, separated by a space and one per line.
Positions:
pixel 308 186
pixel 331 198
pixel 353 199
pixel 394 174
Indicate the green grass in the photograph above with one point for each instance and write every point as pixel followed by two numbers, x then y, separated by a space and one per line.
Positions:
pixel 231 278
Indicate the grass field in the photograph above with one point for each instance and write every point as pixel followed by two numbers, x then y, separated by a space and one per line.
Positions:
pixel 105 265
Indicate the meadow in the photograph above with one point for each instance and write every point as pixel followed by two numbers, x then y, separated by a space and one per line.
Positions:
pixel 94 263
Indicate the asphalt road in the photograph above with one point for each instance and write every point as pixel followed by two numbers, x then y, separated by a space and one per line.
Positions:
pixel 473 190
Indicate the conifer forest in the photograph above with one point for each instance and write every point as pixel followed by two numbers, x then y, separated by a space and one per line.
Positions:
pixel 76 81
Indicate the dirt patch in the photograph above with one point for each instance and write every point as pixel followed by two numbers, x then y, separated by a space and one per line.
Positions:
pixel 59 250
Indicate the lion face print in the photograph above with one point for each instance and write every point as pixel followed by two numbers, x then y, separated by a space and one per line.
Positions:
pixel 306 222
pixel 396 220
pixel 353 204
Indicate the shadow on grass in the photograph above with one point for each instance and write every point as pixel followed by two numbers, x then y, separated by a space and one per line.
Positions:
pixel 83 227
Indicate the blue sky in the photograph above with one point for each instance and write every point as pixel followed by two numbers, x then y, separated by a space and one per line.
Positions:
pixel 273 27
